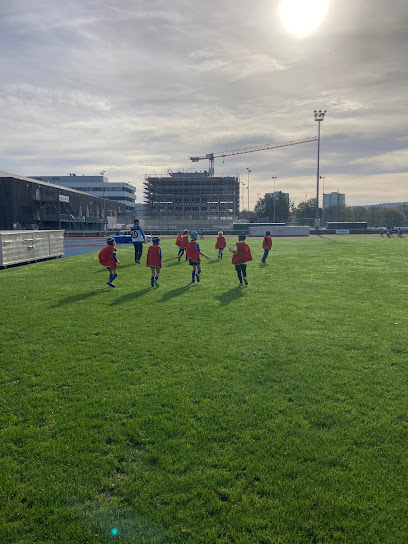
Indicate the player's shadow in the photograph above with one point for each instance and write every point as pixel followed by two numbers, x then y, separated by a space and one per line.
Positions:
pixel 263 265
pixel 121 267
pixel 175 262
pixel 128 265
pixel 77 298
pixel 231 295
pixel 130 296
pixel 175 292
pixel 213 261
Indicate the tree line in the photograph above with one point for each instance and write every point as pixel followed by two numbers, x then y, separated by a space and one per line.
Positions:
pixel 280 210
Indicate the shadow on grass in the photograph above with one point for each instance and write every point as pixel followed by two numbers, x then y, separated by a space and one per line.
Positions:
pixel 175 263
pixel 130 296
pixel 175 292
pixel 231 295
pixel 129 265
pixel 213 261
pixel 80 296
pixel 263 265
pixel 323 237
pixel 120 267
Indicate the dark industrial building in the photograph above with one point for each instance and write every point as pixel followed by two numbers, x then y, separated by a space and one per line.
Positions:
pixel 184 197
pixel 28 203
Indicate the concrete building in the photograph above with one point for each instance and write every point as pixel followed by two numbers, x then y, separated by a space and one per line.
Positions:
pixel 334 199
pixel 276 194
pixel 27 203
pixel 100 186
pixel 186 199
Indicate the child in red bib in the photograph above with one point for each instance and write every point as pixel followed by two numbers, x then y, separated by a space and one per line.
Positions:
pixel 241 255
pixel 178 241
pixel 220 244
pixel 107 257
pixel 267 245
pixel 193 256
pixel 154 258
pixel 183 245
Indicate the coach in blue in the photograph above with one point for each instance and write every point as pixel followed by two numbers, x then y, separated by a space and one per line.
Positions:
pixel 138 239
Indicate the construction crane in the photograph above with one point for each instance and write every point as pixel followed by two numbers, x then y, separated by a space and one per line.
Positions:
pixel 212 156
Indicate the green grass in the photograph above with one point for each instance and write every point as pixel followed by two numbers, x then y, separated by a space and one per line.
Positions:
pixel 209 413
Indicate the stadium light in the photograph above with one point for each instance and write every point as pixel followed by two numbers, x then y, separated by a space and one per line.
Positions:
pixel 318 116
pixel 274 196
pixel 248 188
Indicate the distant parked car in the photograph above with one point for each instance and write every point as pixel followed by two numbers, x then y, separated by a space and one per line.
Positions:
pixel 122 238
pixel 127 239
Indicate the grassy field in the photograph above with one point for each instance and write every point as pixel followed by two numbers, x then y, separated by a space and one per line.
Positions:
pixel 207 413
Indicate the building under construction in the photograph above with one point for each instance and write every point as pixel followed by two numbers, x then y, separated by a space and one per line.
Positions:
pixel 192 200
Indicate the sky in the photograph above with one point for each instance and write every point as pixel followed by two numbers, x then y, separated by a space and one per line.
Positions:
pixel 136 87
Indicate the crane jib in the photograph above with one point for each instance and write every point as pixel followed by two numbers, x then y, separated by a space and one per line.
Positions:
pixel 261 147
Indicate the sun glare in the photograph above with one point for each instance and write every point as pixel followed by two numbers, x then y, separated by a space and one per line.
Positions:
pixel 301 17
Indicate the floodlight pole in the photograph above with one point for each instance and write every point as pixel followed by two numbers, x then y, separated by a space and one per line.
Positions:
pixel 318 116
pixel 248 190
pixel 274 196
pixel 104 201
pixel 322 178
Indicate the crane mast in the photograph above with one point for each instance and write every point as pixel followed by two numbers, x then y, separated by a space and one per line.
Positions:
pixel 261 147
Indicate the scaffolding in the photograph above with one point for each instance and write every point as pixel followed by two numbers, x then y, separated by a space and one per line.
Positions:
pixel 183 197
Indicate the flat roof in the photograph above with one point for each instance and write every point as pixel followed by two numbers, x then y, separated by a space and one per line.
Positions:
pixel 46 184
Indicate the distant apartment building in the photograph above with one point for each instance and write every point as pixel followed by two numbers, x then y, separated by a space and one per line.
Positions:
pixel 100 186
pixel 334 199
pixel 276 194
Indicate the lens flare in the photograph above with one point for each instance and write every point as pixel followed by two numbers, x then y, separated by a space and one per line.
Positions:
pixel 301 17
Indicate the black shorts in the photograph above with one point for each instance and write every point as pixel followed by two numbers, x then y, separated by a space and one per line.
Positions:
pixel 193 263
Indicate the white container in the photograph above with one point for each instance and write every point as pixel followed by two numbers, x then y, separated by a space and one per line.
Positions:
pixel 23 246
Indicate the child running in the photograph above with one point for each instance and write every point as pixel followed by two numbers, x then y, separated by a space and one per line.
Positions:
pixel 220 244
pixel 107 257
pixel 154 258
pixel 241 255
pixel 183 245
pixel 193 256
pixel 178 241
pixel 267 245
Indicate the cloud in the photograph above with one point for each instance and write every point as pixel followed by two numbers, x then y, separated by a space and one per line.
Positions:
pixel 392 161
pixel 135 88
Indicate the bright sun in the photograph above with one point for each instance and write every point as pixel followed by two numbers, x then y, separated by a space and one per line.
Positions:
pixel 301 17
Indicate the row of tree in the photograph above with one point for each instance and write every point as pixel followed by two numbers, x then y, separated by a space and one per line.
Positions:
pixel 281 210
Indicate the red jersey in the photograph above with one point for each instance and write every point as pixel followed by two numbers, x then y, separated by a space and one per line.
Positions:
pixel 154 256
pixel 106 257
pixel 178 241
pixel 193 252
pixel 243 254
pixel 220 242
pixel 267 243
pixel 184 242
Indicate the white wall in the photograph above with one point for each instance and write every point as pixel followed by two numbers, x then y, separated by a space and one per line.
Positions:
pixel 279 231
